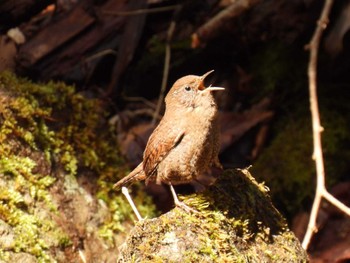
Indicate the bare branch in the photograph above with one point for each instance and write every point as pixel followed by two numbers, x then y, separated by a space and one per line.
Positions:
pixel 317 129
pixel 212 27
pixel 142 11
pixel 170 33
pixel 334 201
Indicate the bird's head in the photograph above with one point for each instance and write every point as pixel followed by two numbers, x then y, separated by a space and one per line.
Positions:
pixel 190 91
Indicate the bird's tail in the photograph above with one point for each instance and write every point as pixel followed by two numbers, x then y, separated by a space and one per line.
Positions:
pixel 136 175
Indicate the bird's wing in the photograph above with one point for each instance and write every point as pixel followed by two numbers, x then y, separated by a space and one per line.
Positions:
pixel 158 147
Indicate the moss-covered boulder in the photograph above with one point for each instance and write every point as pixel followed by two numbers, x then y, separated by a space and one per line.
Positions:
pixel 58 163
pixel 236 222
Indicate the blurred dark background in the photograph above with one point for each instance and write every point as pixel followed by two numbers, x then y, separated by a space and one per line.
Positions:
pixel 115 50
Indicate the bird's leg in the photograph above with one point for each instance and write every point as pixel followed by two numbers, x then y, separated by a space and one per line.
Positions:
pixel 178 203
pixel 131 202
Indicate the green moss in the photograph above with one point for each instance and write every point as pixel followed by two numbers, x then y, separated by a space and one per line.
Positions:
pixel 276 68
pixel 20 195
pixel 156 52
pixel 286 165
pixel 46 126
pixel 235 222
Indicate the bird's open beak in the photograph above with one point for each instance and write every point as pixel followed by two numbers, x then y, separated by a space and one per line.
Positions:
pixel 210 88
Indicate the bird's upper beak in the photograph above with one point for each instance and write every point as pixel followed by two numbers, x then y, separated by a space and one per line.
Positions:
pixel 210 88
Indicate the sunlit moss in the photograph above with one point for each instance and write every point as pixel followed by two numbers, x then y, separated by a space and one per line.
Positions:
pixel 20 194
pixel 43 126
pixel 235 222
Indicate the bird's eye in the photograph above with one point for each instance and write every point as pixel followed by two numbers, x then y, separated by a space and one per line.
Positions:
pixel 187 88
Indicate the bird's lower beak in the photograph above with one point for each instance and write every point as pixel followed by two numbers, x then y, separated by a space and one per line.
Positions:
pixel 210 88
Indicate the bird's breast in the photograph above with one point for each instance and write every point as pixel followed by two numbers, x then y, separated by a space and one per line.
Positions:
pixel 193 155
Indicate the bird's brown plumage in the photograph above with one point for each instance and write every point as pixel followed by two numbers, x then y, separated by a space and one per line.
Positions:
pixel 185 144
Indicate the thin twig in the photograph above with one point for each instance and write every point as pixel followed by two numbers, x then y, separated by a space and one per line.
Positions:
pixel 141 99
pixel 131 202
pixel 334 201
pixel 170 33
pixel 316 126
pixel 317 129
pixel 142 11
pixel 101 54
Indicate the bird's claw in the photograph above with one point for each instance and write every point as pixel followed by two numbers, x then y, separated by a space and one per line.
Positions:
pixel 185 207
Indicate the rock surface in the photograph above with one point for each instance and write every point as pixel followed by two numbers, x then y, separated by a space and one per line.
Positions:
pixel 236 222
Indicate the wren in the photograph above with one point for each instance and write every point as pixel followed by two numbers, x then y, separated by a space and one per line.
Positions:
pixel 185 145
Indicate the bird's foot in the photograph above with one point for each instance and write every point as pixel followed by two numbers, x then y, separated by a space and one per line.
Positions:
pixel 185 207
pixel 180 204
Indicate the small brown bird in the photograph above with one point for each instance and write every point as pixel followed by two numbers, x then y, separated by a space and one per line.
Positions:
pixel 185 145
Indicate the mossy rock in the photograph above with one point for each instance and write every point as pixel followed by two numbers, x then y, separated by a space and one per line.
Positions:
pixel 58 162
pixel 236 222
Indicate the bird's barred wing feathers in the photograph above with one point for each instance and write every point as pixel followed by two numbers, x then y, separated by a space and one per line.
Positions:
pixel 158 148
